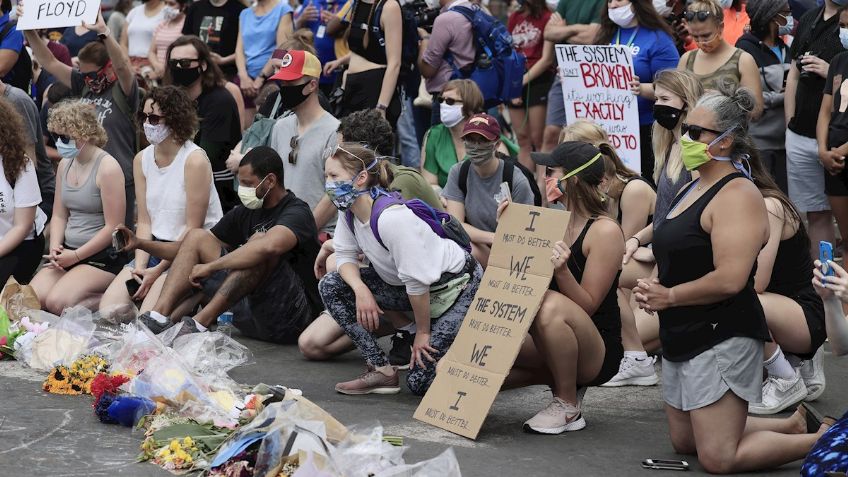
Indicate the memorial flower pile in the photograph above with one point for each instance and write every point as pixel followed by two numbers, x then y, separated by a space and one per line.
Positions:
pixel 76 378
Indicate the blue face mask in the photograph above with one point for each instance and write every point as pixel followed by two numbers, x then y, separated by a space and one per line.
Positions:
pixel 342 194
pixel 68 149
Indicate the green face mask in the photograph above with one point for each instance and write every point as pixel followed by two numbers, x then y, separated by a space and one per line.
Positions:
pixel 695 153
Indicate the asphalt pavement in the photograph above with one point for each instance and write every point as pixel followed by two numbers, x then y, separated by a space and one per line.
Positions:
pixel 46 434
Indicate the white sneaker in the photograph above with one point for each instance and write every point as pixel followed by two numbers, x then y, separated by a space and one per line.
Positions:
pixel 779 394
pixel 632 372
pixel 812 372
pixel 558 417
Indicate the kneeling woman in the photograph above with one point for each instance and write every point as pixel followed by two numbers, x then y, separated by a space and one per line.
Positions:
pixel 406 261
pixel 576 336
pixel 89 204
pixel 712 326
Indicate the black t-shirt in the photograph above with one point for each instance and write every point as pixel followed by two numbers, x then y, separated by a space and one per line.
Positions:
pixel 239 224
pixel 837 85
pixel 219 123
pixel 821 38
pixel 218 27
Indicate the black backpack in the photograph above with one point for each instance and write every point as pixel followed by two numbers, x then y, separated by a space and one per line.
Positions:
pixel 508 171
pixel 21 73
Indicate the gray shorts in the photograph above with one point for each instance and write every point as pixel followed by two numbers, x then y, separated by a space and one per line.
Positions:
pixel 805 174
pixel 735 364
pixel 556 105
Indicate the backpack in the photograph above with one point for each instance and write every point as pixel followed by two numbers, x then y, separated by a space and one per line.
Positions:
pixel 21 73
pixel 259 133
pixel 442 223
pixel 506 177
pixel 497 68
pixel 409 40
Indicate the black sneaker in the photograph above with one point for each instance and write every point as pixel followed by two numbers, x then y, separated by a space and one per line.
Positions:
pixel 189 327
pixel 401 351
pixel 153 324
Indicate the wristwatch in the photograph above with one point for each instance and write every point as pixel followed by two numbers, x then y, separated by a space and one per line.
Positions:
pixel 104 35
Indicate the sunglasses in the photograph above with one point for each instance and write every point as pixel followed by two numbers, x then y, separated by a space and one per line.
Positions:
pixel 90 76
pixel 449 101
pixel 695 132
pixel 152 119
pixel 60 137
pixel 701 16
pixel 183 64
pixel 294 145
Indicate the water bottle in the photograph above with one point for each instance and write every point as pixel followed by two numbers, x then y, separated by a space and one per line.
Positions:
pixel 225 323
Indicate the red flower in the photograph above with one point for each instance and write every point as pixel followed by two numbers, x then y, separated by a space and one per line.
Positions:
pixel 103 383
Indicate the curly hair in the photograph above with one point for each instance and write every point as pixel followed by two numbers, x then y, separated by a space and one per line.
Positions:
pixel 369 127
pixel 177 108
pixel 12 142
pixel 78 120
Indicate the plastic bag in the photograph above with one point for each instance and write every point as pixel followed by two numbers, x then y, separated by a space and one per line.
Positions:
pixel 135 346
pixel 63 343
pixel 212 353
pixel 364 452
pixel 443 465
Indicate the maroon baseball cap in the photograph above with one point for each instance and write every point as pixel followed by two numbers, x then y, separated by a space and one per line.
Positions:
pixel 484 125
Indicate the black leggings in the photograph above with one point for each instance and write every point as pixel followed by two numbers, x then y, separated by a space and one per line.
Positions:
pixel 362 91
pixel 22 262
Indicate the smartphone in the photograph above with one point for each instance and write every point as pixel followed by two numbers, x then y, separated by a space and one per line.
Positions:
pixel 118 242
pixel 825 254
pixel 505 193
pixel 132 286
pixel 663 464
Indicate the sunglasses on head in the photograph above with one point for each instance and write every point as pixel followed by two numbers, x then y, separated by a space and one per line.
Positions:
pixel 60 137
pixel 695 132
pixel 183 64
pixel 294 145
pixel 152 119
pixel 701 16
pixel 449 101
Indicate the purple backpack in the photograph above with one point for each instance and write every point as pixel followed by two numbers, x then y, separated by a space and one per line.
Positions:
pixel 442 223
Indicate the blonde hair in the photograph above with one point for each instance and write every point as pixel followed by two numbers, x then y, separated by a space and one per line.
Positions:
pixel 684 85
pixel 587 131
pixel 469 93
pixel 707 6
pixel 356 158
pixel 78 120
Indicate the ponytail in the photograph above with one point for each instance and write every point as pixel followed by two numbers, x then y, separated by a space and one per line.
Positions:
pixel 356 158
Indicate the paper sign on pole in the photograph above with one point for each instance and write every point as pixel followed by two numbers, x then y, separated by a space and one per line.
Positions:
pixel 40 14
pixel 596 87
pixel 474 368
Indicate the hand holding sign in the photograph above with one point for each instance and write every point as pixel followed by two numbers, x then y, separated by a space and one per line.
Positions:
pixel 57 13
pixel 99 25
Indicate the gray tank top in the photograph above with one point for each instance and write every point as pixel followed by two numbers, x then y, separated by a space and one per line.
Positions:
pixel 666 192
pixel 85 207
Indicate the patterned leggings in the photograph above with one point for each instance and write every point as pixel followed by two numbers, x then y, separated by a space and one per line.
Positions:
pixel 340 302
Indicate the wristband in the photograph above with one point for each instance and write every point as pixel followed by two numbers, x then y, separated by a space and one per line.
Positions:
pixel 636 239
pixel 671 299
pixel 104 35
pixel 381 107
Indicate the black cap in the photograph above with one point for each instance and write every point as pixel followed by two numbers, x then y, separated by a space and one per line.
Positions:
pixel 572 155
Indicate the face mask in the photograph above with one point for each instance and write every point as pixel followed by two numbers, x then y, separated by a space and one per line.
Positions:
pixel 667 116
pixel 185 77
pixel 292 96
pixel 68 149
pixel 622 16
pixel 478 153
pixel 169 13
pixel 552 189
pixel 342 193
pixel 552 4
pixel 156 134
pixel 695 153
pixel 451 115
pixel 843 37
pixel 661 8
pixel 105 77
pixel 786 29
pixel 248 196
pixel 725 3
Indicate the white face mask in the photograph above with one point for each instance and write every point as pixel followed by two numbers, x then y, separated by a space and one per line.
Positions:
pixel 725 3
pixel 249 198
pixel 450 115
pixel 622 16
pixel 552 4
pixel 169 13
pixel 843 37
pixel 156 134
pixel 662 8
pixel 786 29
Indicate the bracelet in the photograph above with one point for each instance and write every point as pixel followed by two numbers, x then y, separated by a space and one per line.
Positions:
pixel 77 255
pixel 637 240
pixel 671 299
pixel 381 107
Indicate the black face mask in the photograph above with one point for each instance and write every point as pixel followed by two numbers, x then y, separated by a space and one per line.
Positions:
pixel 185 76
pixel 667 116
pixel 292 96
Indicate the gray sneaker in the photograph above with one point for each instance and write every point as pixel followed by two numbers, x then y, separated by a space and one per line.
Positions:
pixel 558 417
pixel 188 326
pixel 153 324
pixel 812 372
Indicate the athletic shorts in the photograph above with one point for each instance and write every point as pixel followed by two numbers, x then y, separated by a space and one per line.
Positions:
pixel 108 260
pixel 556 105
pixel 536 93
pixel 806 176
pixel 612 358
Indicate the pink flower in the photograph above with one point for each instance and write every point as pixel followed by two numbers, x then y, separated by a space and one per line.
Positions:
pixel 4 340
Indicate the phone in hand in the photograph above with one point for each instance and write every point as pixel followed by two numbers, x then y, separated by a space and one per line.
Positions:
pixel 132 286
pixel 826 254
pixel 118 242
pixel 504 194
pixel 663 464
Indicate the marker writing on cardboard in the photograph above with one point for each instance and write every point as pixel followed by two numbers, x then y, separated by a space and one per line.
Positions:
pixel 533 214
pixel 461 395
pixel 518 268
pixel 478 355
pixel 71 9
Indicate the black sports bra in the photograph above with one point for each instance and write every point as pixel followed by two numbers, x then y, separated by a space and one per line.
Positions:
pixel 366 20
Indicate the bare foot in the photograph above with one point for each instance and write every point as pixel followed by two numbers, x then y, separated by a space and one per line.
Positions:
pixel 797 422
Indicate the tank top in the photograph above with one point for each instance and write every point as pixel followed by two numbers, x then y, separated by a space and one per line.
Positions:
pixel 607 317
pixel 165 195
pixel 666 192
pixel 364 21
pixel 620 212
pixel 85 207
pixel 793 268
pixel 684 253
pixel 730 70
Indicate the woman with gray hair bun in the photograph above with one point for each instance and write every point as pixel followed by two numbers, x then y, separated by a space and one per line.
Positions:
pixel 770 20
pixel 712 325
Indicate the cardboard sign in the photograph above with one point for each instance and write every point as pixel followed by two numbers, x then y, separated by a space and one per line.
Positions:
pixel 58 13
pixel 474 368
pixel 596 87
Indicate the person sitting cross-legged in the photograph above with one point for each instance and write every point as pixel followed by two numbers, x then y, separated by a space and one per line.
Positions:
pixel 257 261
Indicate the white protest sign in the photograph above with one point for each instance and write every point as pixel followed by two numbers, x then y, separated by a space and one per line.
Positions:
pixel 596 87
pixel 40 14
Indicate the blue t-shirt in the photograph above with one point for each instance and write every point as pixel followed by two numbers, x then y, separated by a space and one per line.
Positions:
pixel 259 35
pixel 75 42
pixel 14 40
pixel 653 51
pixel 325 44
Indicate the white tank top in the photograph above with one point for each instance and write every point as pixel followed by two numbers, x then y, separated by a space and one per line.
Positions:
pixel 166 195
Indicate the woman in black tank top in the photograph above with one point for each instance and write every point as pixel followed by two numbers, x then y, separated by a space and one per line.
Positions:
pixel 712 326
pixel 576 335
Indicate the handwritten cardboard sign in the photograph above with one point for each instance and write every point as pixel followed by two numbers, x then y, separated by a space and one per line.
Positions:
pixel 58 13
pixel 474 368
pixel 596 87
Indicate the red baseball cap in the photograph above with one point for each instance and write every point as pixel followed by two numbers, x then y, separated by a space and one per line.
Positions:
pixel 295 64
pixel 484 125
